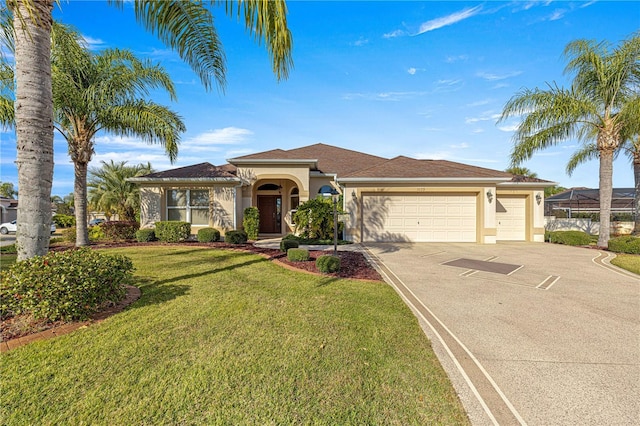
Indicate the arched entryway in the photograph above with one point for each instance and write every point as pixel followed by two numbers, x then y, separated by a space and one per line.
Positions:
pixel 274 200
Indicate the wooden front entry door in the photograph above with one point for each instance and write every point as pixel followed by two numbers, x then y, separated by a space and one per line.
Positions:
pixel 270 208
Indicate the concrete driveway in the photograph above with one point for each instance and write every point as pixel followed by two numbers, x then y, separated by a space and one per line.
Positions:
pixel 529 333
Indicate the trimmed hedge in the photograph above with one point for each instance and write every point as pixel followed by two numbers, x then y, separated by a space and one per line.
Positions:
pixel 328 264
pixel 297 254
pixel 627 244
pixel 67 285
pixel 570 238
pixel 172 231
pixel 235 237
pixel 95 234
pixel 208 235
pixel 145 235
pixel 251 222
pixel 119 230
pixel 286 244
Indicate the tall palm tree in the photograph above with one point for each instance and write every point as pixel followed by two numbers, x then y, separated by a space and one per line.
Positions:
pixel 598 102
pixel 105 92
pixel 110 191
pixel 186 26
pixel 630 146
pixel 521 171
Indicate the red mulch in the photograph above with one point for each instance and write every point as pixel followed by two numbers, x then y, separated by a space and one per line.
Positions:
pixel 353 265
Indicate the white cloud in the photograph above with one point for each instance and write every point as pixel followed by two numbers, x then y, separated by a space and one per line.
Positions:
pixel 412 71
pixel 444 21
pixel 94 43
pixel 448 85
pixel 225 136
pixel 479 103
pixel 509 128
pixel 383 96
pixel 557 14
pixel 360 42
pixel 493 77
pixel 452 59
pixel 485 116
pixel 394 34
pixel 461 145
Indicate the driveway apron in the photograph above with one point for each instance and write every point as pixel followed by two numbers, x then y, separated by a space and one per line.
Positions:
pixel 529 333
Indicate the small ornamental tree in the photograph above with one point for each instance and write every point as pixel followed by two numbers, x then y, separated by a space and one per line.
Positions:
pixel 314 219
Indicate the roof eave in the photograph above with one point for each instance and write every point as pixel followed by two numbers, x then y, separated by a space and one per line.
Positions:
pixel 184 180
pixel 495 180
pixel 527 184
pixel 312 163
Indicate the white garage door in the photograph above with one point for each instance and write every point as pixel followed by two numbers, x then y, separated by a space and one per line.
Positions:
pixel 420 217
pixel 511 216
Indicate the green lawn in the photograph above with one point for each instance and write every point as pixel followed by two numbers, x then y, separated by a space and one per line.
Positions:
pixel 222 337
pixel 630 262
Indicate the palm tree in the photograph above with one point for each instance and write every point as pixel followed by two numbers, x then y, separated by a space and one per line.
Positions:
pixel 521 171
pixel 630 146
pixel 109 190
pixel 598 102
pixel 105 92
pixel 186 26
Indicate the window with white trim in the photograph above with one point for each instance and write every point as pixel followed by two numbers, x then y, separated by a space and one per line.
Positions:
pixel 188 205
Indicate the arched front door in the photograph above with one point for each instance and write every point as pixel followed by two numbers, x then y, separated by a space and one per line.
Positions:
pixel 270 208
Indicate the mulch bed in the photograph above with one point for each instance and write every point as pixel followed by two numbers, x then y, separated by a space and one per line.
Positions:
pixel 353 265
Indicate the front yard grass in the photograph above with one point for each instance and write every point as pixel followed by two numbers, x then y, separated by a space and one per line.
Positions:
pixel 225 337
pixel 630 262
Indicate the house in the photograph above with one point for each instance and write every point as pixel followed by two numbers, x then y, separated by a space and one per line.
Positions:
pixel 8 209
pixel 398 199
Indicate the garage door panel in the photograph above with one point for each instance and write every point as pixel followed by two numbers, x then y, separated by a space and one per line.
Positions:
pixel 511 218
pixel 421 218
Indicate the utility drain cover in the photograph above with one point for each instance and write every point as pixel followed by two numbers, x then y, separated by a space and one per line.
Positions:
pixel 481 265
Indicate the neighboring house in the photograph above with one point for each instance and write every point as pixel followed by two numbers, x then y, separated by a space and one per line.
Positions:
pixel 398 199
pixel 8 209
pixel 587 201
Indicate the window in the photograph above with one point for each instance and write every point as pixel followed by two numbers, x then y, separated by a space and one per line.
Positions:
pixel 188 205
pixel 295 198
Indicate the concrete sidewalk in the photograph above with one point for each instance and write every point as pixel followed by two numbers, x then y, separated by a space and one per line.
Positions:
pixel 554 342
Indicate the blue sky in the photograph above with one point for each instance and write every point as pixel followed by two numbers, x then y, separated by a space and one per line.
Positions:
pixel 421 79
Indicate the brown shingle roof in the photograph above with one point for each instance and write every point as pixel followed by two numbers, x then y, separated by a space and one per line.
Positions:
pixel 202 170
pixel 528 179
pixel 405 167
pixel 331 159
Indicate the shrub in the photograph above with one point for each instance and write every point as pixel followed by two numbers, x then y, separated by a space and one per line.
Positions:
pixel 314 220
pixel 63 220
pixel 627 244
pixel 67 285
pixel 570 238
pixel 96 233
pixel 328 264
pixel 172 231
pixel 251 222
pixel 297 254
pixel 69 234
pixel 119 230
pixel 235 237
pixel 145 235
pixel 286 244
pixel 10 249
pixel 208 235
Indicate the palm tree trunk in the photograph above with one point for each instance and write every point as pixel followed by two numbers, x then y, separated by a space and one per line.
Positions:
pixel 80 203
pixel 636 201
pixel 606 191
pixel 34 126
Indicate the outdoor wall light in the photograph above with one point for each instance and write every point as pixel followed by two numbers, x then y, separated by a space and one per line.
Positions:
pixel 489 196
pixel 538 198
pixel 353 195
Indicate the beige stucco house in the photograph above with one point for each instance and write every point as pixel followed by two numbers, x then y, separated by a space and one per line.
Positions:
pixel 398 199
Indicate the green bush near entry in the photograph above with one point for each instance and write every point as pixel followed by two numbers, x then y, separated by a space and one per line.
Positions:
pixel 145 235
pixel 208 235
pixel 287 244
pixel 298 254
pixel 328 264
pixel 235 237
pixel 172 231
pixel 251 222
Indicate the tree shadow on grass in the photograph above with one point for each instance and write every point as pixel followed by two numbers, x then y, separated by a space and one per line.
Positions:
pixel 325 281
pixel 155 292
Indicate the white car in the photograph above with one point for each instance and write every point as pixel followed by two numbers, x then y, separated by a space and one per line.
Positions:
pixel 5 228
